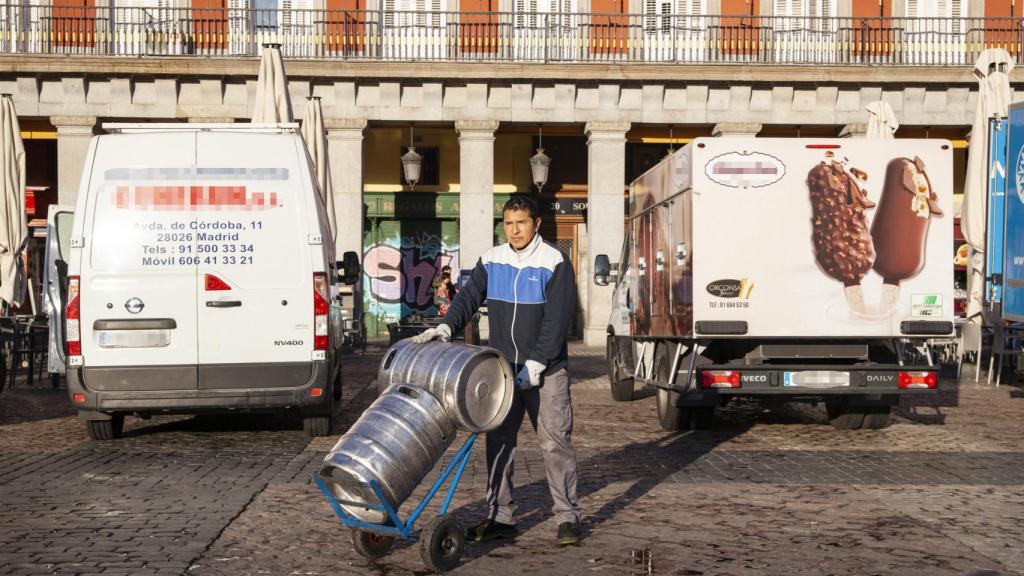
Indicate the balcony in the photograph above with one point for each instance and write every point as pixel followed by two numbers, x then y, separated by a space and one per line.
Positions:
pixel 520 37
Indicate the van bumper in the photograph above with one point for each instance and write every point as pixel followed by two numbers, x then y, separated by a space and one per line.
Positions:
pixel 102 398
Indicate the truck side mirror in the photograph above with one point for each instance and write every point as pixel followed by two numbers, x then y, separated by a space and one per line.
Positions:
pixel 602 269
pixel 350 268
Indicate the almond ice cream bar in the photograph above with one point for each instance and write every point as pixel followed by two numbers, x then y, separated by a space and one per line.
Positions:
pixel 842 246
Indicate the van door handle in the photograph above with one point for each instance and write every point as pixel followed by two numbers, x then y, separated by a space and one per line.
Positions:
pixel 224 304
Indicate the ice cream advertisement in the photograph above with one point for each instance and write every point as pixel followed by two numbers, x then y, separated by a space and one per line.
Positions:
pixel 843 237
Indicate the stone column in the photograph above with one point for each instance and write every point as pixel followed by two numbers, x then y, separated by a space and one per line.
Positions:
pixel 606 183
pixel 741 129
pixel 476 185
pixel 73 136
pixel 345 155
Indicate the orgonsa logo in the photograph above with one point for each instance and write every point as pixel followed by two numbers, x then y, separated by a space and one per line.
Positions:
pixel 729 288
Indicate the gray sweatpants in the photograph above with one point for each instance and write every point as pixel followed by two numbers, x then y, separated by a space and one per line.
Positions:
pixel 550 409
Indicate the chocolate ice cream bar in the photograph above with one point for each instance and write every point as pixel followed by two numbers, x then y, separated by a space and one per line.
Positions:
pixel 900 226
pixel 842 246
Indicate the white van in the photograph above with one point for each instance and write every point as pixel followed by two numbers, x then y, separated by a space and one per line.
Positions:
pixel 202 277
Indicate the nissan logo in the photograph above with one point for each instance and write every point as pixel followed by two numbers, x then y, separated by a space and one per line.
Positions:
pixel 134 305
pixel 724 288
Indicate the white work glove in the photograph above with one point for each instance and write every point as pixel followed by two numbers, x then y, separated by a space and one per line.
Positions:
pixel 529 376
pixel 442 333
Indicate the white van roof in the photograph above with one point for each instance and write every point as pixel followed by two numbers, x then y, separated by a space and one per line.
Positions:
pixel 140 127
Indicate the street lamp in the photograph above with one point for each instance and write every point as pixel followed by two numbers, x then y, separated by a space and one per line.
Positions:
pixel 540 163
pixel 411 163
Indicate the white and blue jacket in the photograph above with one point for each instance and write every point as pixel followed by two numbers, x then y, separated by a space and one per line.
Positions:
pixel 531 300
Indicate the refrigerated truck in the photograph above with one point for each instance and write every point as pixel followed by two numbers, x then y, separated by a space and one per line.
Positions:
pixel 784 269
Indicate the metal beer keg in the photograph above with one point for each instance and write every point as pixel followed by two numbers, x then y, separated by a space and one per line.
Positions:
pixel 474 383
pixel 395 442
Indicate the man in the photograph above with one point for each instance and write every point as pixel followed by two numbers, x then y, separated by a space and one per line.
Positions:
pixel 531 298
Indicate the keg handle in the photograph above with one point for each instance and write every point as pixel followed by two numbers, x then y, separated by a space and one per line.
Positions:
pixel 388 357
pixel 409 391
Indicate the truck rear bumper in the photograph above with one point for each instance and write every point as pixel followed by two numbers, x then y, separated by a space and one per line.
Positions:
pixel 877 384
pixel 97 395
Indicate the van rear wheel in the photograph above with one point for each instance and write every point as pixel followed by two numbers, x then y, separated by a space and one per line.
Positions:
pixel 105 429
pixel 317 425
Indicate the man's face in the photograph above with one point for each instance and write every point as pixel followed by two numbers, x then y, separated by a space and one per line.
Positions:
pixel 520 228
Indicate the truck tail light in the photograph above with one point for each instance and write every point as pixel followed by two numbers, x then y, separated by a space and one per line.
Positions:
pixel 720 379
pixel 72 315
pixel 321 308
pixel 918 379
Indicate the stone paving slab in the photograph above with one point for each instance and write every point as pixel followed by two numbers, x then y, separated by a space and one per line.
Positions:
pixel 768 492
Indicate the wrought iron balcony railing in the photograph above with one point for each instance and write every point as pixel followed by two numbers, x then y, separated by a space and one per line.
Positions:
pixel 501 36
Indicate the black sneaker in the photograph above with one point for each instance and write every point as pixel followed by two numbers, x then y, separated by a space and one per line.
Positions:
pixel 490 530
pixel 569 533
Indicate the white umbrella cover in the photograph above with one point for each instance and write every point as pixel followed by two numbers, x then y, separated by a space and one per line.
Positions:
pixel 315 135
pixel 991 69
pixel 272 105
pixel 13 229
pixel 881 120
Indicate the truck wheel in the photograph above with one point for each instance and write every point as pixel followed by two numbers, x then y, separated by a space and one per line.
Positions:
pixel 844 416
pixel 671 417
pixel 317 425
pixel 106 429
pixel 619 373
pixel 877 417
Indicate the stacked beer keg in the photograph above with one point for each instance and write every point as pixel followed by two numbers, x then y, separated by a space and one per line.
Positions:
pixel 427 391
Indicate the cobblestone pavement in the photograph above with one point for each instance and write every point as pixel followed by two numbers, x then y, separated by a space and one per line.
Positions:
pixel 768 492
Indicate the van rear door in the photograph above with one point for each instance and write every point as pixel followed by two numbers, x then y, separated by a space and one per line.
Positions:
pixel 138 264
pixel 59 220
pixel 255 281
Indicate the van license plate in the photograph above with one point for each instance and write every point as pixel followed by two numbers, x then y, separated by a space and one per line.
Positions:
pixel 134 338
pixel 817 379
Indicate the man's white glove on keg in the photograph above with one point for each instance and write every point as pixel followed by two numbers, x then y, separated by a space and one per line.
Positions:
pixel 529 376
pixel 442 333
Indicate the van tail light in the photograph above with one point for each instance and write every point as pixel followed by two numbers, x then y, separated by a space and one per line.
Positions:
pixel 72 315
pixel 214 284
pixel 720 379
pixel 321 337
pixel 918 379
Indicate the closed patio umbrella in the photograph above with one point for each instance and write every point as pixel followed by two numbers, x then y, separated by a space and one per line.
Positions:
pixel 315 135
pixel 272 105
pixel 992 71
pixel 13 229
pixel 881 120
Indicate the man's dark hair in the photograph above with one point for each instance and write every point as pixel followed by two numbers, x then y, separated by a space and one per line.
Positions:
pixel 521 202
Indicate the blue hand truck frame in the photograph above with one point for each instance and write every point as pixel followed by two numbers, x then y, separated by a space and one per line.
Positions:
pixel 395 527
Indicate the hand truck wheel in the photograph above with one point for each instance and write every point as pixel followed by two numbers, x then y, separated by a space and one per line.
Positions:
pixel 371 545
pixel 442 543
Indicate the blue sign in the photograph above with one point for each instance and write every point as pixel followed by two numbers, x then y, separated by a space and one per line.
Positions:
pixel 996 201
pixel 1013 247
